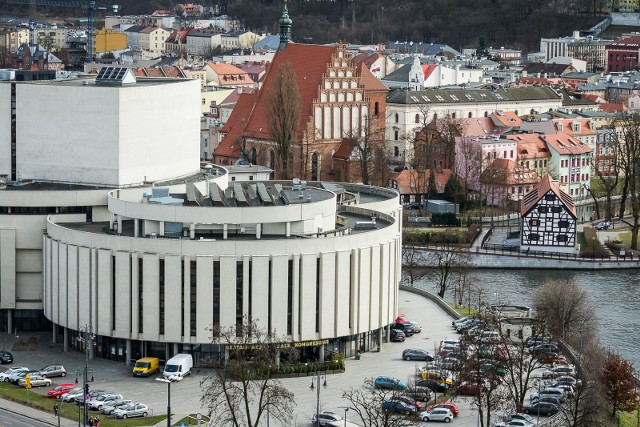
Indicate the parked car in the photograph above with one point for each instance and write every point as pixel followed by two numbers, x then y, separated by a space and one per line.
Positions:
pixel 92 395
pixel 469 388
pixel 553 392
pixel 436 374
pixel 4 376
pixel 112 405
pixel 326 417
pixel 541 408
pixel 559 371
pixel 409 401
pixel 53 371
pixel 448 405
pixel 6 357
pixel 543 348
pixel 451 363
pixel 550 357
pixel 97 402
pixel 35 380
pixel 390 383
pixel 569 381
pixel 524 417
pixel 17 376
pixel 460 321
pixel 437 414
pixel 401 319
pixel 397 335
pixel 519 423
pixel 548 399
pixel 534 341
pixel 416 392
pixel 417 328
pixel 604 225
pixel 569 389
pixel 404 327
pixel 61 390
pixel 398 407
pixel 131 410
pixel 439 386
pixel 417 354
pixel 72 395
pixel 488 365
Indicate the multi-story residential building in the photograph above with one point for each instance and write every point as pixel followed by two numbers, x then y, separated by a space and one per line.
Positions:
pixel 162 20
pixel 417 76
pixel 12 39
pixel 152 39
pixel 622 55
pixel 109 40
pixel 570 163
pixel 406 110
pixel 506 57
pixel 548 220
pixel 532 152
pixel 53 38
pixel 227 75
pixel 238 40
pixel 202 43
pixel 591 50
pixel 505 183
pixel 176 43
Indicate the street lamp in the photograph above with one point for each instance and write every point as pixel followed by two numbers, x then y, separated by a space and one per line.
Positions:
pixel 162 380
pixel 318 394
pixel 345 416
pixel 87 330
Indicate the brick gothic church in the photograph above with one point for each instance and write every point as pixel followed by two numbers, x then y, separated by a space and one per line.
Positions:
pixel 337 99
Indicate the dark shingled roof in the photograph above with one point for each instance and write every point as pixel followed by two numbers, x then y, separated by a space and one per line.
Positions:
pixel 461 95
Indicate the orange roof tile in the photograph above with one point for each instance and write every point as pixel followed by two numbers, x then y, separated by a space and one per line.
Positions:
pixel 370 81
pixel 565 144
pixel 409 181
pixel 479 126
pixel 506 118
pixel 610 107
pixel 231 144
pixel 508 172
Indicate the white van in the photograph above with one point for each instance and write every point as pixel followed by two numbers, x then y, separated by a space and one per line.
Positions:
pixel 178 367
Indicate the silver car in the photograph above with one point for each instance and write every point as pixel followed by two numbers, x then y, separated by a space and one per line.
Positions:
pixel 97 402
pixel 53 371
pixel 132 410
pixel 111 406
pixel 71 396
pixel 437 414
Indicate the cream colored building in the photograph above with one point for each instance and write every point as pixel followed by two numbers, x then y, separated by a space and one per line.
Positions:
pixel 12 39
pixel 152 39
pixel 51 38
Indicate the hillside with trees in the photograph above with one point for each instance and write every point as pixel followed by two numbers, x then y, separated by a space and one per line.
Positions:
pixel 512 23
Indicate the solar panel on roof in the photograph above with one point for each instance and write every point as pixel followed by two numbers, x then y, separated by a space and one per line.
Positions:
pixel 115 76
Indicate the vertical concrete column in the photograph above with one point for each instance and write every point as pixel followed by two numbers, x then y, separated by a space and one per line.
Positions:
pixel 276 361
pixel 288 229
pixel 225 230
pixel 65 339
pixel 9 320
pixel 167 353
pixel 192 231
pixel 119 224
pixel 161 228
pixel 128 355
pixel 258 230
pixel 136 228
pixel 387 333
pixel 111 219
pixel 321 353
pixel 54 334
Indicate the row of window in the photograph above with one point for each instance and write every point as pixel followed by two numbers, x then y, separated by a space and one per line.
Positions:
pixel 575 177
pixel 535 237
pixel 534 222
pixel 574 163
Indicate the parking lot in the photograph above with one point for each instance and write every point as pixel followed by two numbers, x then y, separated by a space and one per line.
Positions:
pixel 116 377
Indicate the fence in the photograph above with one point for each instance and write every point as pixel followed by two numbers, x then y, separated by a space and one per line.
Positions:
pixel 507 250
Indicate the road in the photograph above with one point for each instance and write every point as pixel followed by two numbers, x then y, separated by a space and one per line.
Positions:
pixel 9 419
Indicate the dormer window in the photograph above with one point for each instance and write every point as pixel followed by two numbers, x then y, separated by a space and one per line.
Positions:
pixel 559 127
pixel 576 127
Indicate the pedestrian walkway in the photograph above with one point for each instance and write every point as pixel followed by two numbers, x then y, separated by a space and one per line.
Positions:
pixel 36 414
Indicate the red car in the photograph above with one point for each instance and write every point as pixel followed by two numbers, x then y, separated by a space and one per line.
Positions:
pixel 550 357
pixel 449 405
pixel 468 388
pixel 61 390
pixel 401 319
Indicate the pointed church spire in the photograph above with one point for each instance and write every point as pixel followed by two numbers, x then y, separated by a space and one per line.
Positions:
pixel 285 27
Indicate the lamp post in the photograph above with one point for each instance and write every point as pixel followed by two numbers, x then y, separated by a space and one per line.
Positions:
pixel 345 416
pixel 162 380
pixel 87 331
pixel 317 387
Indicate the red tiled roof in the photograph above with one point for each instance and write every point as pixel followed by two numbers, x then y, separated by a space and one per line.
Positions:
pixel 479 126
pixel 344 149
pixel 506 118
pixel 230 145
pixel 610 107
pixel 370 81
pixel 366 59
pixel 508 172
pixel 565 144
pixel 406 177
pixel 544 186
pixel 530 146
pixel 309 62
pixel 428 70
pixel 235 95
pixel 169 72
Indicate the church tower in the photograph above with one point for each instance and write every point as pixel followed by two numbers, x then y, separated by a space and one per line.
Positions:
pixel 285 27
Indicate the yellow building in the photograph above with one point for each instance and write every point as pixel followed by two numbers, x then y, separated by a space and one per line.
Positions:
pixel 109 40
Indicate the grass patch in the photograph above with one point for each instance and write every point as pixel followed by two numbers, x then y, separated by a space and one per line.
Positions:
pixel 37 399
pixel 628 419
pixel 464 311
pixel 191 420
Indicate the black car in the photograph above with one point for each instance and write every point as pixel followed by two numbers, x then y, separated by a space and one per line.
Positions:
pixel 534 341
pixel 418 392
pixel 438 386
pixel 6 357
pixel 541 408
pixel 405 327
pixel 396 335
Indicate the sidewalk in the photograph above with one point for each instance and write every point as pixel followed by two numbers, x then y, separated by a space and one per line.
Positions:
pixel 43 417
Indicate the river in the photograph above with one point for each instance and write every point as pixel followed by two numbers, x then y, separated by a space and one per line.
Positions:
pixel 616 295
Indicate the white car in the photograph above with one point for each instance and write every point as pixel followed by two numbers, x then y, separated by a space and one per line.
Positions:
pixel 71 396
pixel 326 417
pixel 4 376
pixel 97 402
pixel 437 414
pixel 132 410
pixel 111 406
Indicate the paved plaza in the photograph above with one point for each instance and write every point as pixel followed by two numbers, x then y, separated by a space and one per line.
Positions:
pixel 185 395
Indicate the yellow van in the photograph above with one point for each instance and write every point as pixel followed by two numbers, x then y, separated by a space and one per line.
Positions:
pixel 145 366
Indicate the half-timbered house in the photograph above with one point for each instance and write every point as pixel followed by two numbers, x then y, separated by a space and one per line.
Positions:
pixel 548 220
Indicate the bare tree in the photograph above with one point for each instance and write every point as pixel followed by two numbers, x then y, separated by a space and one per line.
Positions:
pixel 367 400
pixel 367 142
pixel 629 125
pixel 242 393
pixel 447 264
pixel 412 260
pixel 283 110
pixel 565 308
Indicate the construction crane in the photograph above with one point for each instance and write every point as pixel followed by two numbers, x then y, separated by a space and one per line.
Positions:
pixel 91 7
